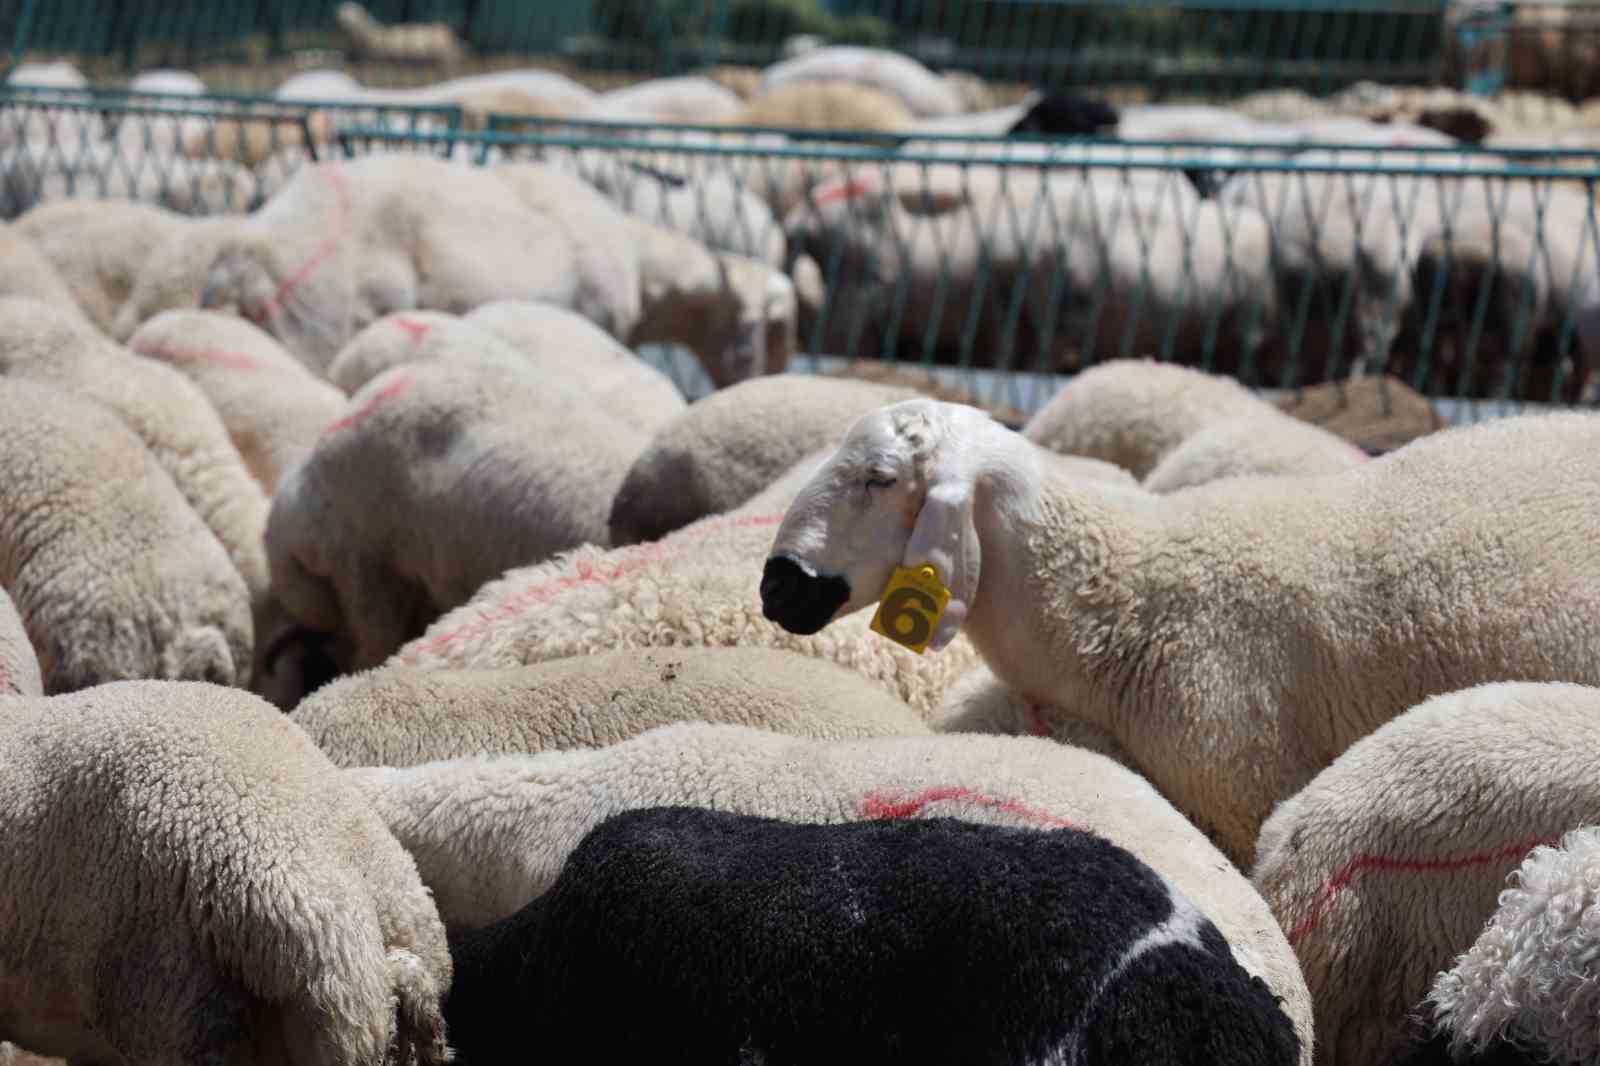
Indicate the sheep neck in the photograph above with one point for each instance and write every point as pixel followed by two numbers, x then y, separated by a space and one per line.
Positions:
pixel 1062 612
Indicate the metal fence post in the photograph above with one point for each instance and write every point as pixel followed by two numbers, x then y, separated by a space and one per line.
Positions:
pixel 19 41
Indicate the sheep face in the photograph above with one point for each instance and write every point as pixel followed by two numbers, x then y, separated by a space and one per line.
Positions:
pixel 898 492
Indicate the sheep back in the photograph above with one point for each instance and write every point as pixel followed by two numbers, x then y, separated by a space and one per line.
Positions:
pixel 1063 940
pixel 187 877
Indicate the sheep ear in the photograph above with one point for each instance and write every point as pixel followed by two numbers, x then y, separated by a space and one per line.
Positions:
pixel 946 536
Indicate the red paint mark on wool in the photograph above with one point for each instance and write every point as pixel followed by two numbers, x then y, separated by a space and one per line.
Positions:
pixel 412 328
pixel 325 251
pixel 388 394
pixel 881 805
pixel 1037 726
pixel 589 570
pixel 220 356
pixel 1390 864
pixel 852 189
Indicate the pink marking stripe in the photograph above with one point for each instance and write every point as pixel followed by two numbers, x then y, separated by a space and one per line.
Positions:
pixel 881 805
pixel 325 251
pixel 167 353
pixel 844 190
pixel 385 395
pixel 413 329
pixel 589 572
pixel 1387 863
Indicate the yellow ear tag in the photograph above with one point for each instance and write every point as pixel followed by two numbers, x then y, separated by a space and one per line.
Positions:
pixel 912 603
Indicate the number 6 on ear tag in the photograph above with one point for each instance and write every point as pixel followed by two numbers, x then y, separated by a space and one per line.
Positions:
pixel 913 602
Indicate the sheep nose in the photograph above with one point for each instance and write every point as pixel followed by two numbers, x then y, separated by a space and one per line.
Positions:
pixel 800 602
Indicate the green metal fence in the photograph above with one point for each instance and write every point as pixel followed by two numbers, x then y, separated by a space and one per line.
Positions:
pixel 1002 262
pixel 1209 47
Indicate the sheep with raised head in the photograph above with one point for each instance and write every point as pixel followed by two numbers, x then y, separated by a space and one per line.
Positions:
pixel 403 716
pixel 1525 993
pixel 513 821
pixel 696 587
pixel 990 944
pixel 439 477
pixel 114 575
pixel 273 408
pixel 186 878
pixel 1387 864
pixel 1201 645
pixel 728 446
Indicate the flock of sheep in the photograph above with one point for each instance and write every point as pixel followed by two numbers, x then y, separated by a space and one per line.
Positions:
pixel 400 670
pixel 1245 244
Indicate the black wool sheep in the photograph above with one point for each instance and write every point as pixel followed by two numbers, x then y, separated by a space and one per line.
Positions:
pixel 727 938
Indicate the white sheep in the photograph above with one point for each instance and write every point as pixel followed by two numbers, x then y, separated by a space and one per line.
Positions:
pixel 273 408
pixel 173 418
pixel 1534 265
pixel 982 703
pixel 114 575
pixel 368 40
pixel 542 339
pixel 19 666
pixel 1201 642
pixel 1527 986
pixel 736 314
pixel 562 344
pixel 98 247
pixel 27 271
pixel 921 90
pixel 696 587
pixel 1269 444
pixel 403 716
pixel 825 105
pixel 1056 272
pixel 179 83
pixel 504 825
pixel 174 269
pixel 343 244
pixel 685 99
pixel 1386 865
pixel 716 208
pixel 439 476
pixel 188 879
pixel 1135 413
pixel 728 446
pixel 34 122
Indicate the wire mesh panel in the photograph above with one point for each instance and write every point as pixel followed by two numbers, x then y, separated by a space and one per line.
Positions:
pixel 1001 262
pixel 1468 275
pixel 196 156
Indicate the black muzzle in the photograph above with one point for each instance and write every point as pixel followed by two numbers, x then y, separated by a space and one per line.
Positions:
pixel 797 601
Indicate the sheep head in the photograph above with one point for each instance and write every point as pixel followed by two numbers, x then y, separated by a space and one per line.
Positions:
pixel 756 328
pixel 898 492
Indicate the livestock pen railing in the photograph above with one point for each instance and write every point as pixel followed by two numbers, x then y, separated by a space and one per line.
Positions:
pixel 195 155
pixel 1000 262
pixel 1469 276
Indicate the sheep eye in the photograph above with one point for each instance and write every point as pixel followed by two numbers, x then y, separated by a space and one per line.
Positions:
pixel 880 482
